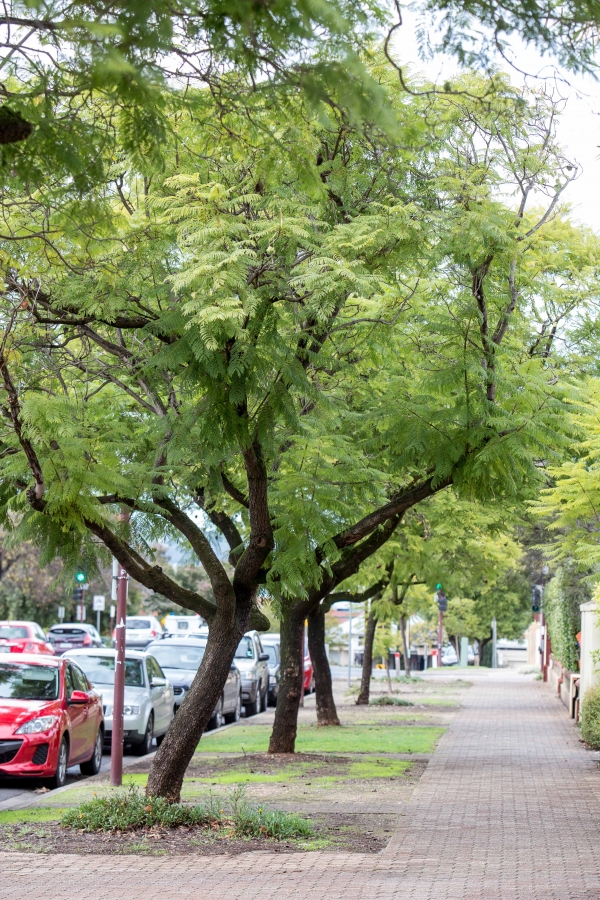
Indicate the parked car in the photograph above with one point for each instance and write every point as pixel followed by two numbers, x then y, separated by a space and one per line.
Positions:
pixel 23 637
pixel 140 631
pixel 449 656
pixel 50 718
pixel 181 625
pixel 72 636
pixel 149 698
pixel 180 659
pixel 253 664
pixel 270 644
pixel 309 674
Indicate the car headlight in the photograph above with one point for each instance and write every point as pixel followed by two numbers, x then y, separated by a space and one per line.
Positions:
pixel 37 726
pixel 131 710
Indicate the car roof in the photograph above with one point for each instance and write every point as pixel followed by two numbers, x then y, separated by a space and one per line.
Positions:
pixel 34 658
pixel 173 642
pixel 72 625
pixel 100 651
pixel 16 622
pixel 270 638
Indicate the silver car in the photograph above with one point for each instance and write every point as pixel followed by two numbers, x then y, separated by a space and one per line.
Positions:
pixel 253 664
pixel 180 660
pixel 149 698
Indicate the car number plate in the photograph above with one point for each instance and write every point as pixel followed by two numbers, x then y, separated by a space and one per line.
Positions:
pixel 4 648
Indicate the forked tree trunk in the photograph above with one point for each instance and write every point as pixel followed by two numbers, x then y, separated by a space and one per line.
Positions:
pixel 326 711
pixel 405 647
pixel 367 666
pixel 291 683
pixel 186 729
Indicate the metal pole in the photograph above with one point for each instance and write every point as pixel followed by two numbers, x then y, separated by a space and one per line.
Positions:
pixel 98 621
pixel 440 637
pixel 493 643
pixel 116 750
pixel 349 643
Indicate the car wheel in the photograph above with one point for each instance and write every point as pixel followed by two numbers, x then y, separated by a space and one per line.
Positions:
pixel 237 712
pixel 60 776
pixel 92 766
pixel 263 700
pixel 311 690
pixel 251 709
pixel 146 745
pixel 160 739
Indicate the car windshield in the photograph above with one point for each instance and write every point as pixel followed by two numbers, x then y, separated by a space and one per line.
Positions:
pixel 19 681
pixel 271 653
pixel 101 670
pixel 170 657
pixel 138 623
pixel 13 632
pixel 245 649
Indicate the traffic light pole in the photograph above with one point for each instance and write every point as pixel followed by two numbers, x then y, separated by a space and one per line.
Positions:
pixel 440 637
pixel 116 760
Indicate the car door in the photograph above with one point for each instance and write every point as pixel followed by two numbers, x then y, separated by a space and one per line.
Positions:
pixel 90 722
pixel 160 696
pixel 77 714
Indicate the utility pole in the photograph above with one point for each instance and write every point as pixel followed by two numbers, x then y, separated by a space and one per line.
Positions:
pixel 120 579
pixel 442 602
pixel 494 642
pixel 349 643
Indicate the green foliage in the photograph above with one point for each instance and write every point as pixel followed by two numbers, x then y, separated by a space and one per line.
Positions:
pixel 386 700
pixel 562 599
pixel 590 718
pixel 131 810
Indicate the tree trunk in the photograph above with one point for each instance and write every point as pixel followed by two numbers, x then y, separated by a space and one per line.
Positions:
pixel 291 673
pixel 405 647
pixel 186 729
pixel 326 711
pixel 367 666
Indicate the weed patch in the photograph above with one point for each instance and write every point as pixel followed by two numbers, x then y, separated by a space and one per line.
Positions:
pixel 131 810
pixel 387 700
pixel 348 739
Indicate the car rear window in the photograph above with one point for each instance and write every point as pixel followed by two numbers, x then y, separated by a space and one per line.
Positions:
pixel 67 632
pixel 138 623
pixel 13 632
pixel 19 681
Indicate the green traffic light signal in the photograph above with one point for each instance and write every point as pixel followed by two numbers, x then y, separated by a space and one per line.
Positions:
pixel 438 587
pixel 80 577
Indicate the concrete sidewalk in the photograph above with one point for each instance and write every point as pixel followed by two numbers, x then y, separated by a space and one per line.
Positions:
pixel 508 809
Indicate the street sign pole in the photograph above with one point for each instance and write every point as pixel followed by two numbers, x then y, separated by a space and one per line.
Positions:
pixel 349 644
pixel 440 637
pixel 116 761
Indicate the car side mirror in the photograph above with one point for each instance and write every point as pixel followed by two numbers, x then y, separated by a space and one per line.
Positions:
pixel 264 657
pixel 158 682
pixel 78 698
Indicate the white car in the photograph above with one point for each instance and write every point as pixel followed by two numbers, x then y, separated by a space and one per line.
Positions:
pixel 184 625
pixel 149 698
pixel 140 631
pixel 449 656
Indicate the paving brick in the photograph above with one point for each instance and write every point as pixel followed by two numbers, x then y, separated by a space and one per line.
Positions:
pixel 508 809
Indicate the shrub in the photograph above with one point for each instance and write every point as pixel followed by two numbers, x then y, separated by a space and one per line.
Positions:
pixel 131 810
pixel 386 700
pixel 590 718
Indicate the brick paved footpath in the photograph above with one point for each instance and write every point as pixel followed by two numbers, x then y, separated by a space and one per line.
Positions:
pixel 508 809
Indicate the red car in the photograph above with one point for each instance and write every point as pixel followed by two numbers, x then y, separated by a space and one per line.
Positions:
pixel 309 675
pixel 23 637
pixel 50 718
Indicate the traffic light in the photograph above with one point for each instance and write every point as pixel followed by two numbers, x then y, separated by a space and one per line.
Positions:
pixel 78 594
pixel 80 576
pixel 438 587
pixel 442 601
pixel 536 597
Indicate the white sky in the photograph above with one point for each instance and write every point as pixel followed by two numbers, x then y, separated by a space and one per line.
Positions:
pixel 579 126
